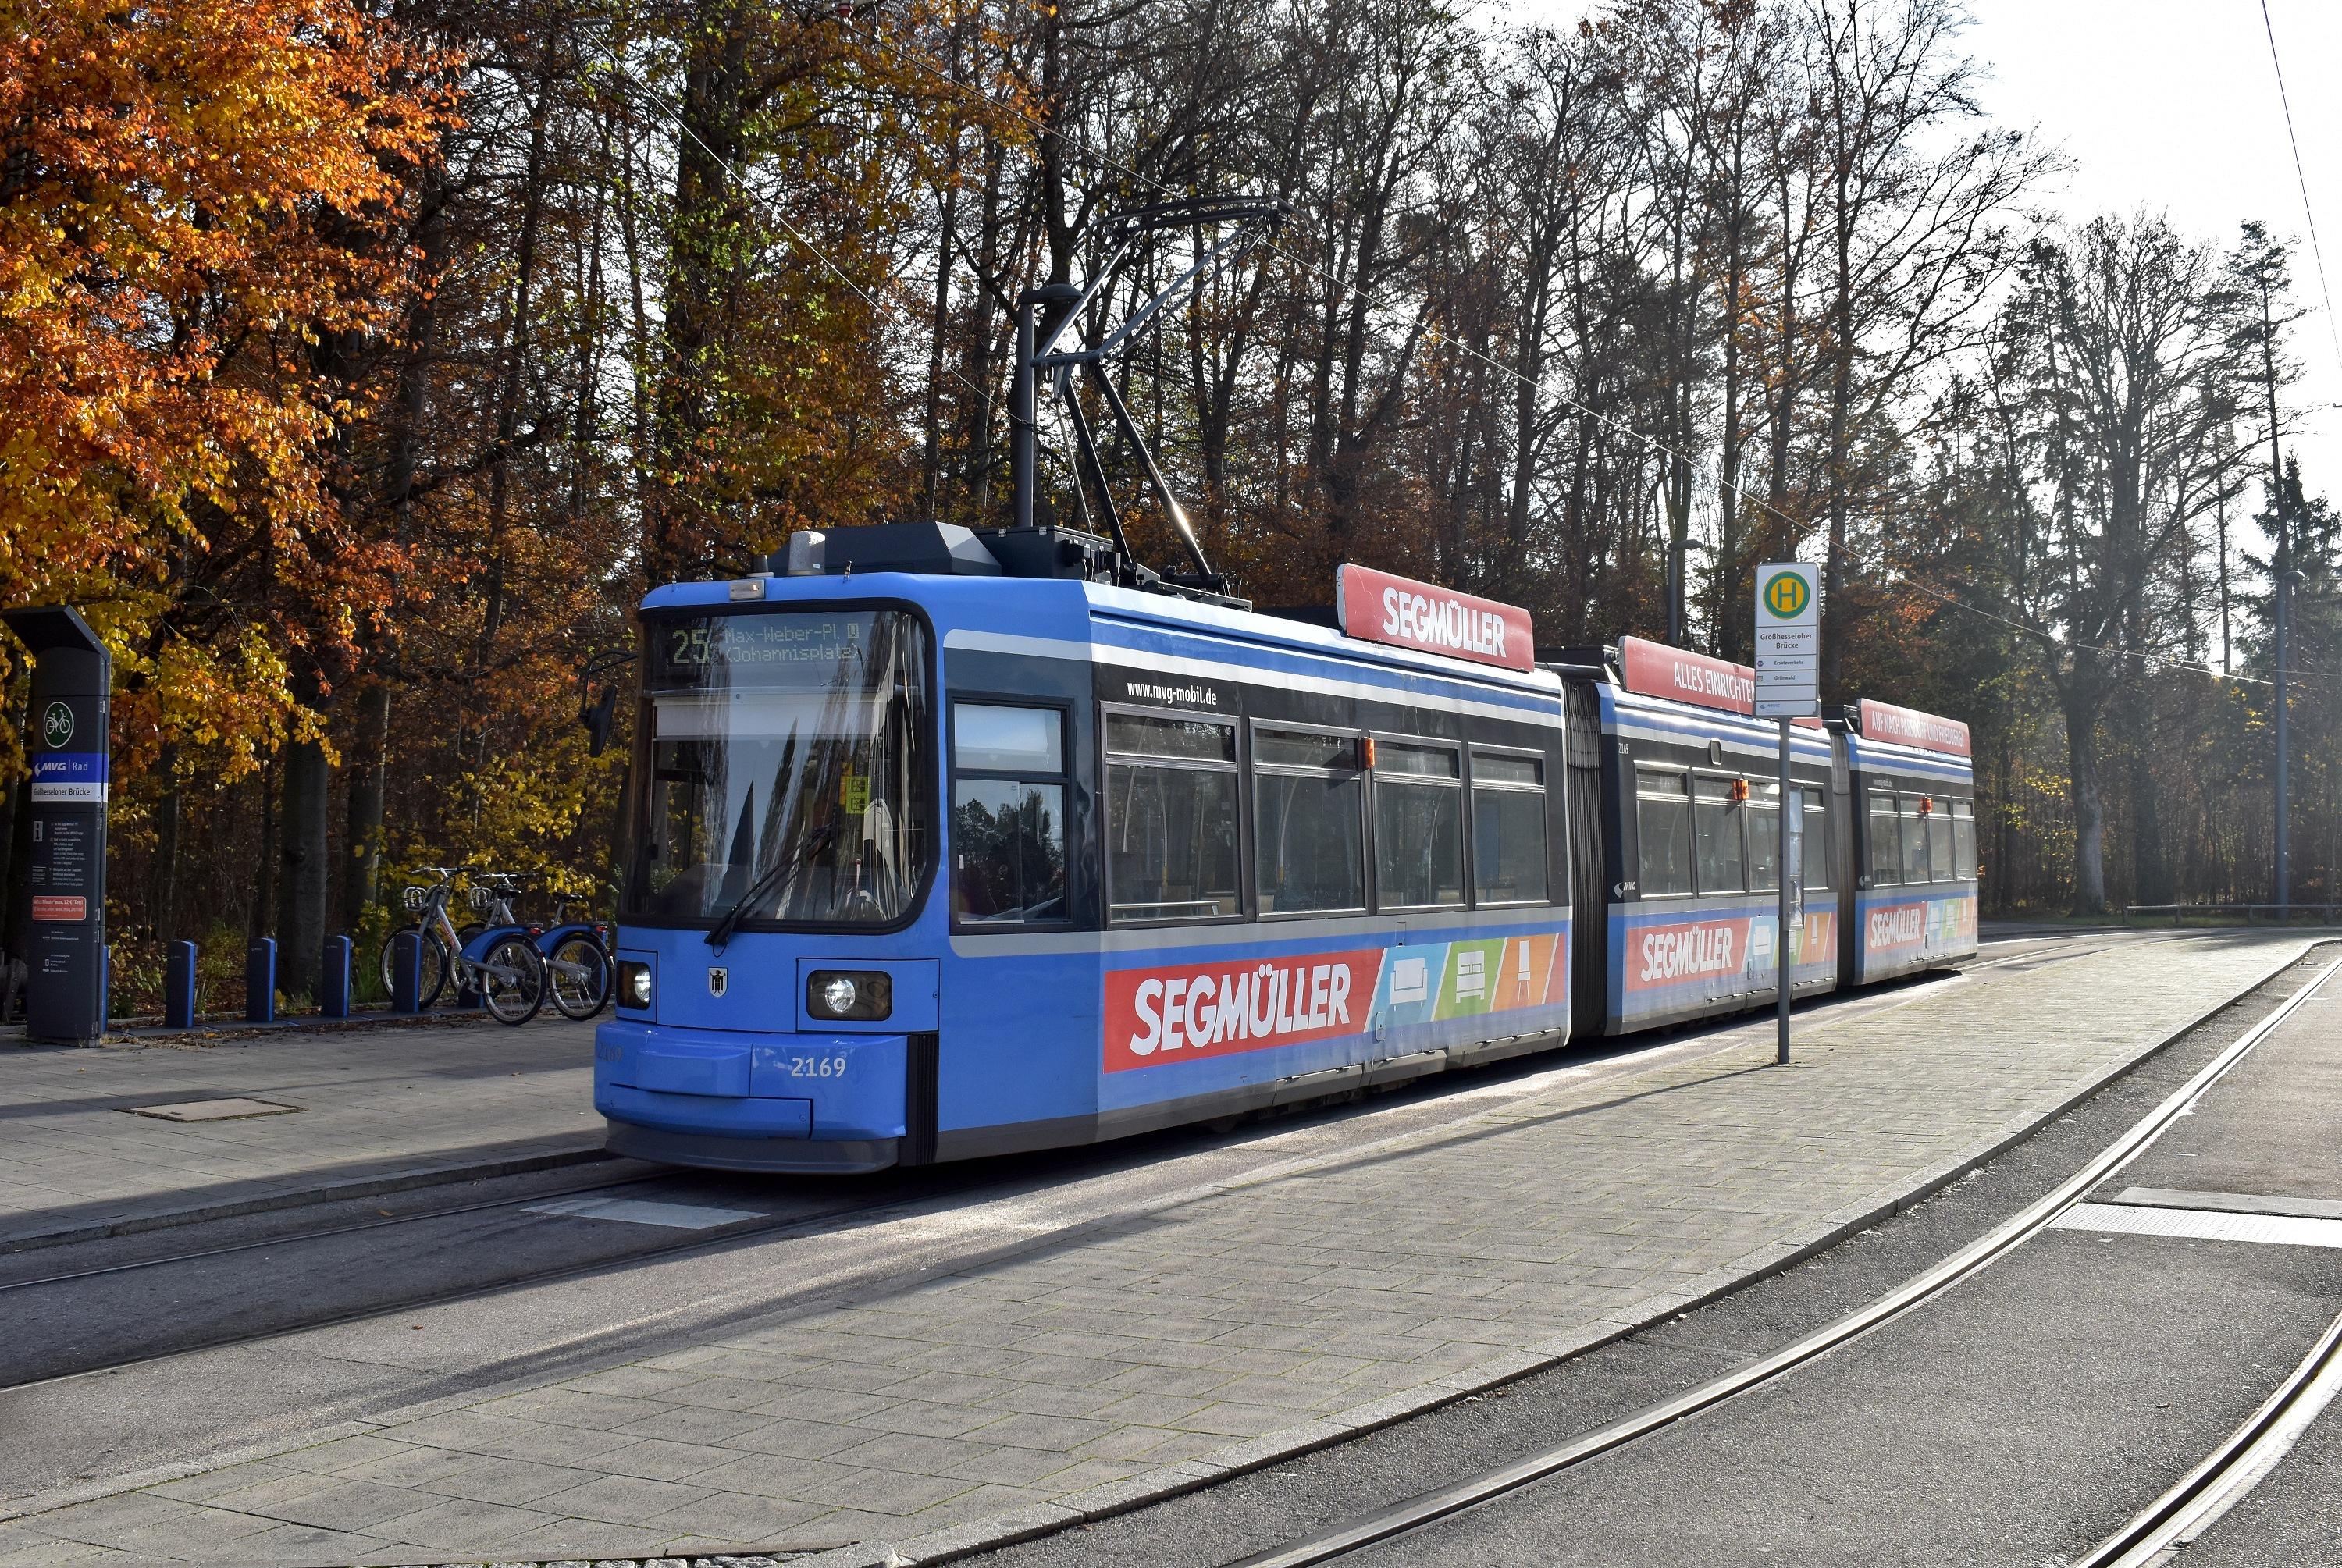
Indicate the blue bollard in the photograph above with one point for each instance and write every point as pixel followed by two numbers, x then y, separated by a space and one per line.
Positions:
pixel 179 986
pixel 406 972
pixel 334 988
pixel 260 981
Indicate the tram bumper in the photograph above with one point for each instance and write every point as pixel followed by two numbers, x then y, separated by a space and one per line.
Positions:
pixel 752 1102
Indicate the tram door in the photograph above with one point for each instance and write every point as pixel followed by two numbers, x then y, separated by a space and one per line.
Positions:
pixel 1592 853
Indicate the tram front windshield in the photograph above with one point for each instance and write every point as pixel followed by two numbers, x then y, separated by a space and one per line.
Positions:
pixel 787 766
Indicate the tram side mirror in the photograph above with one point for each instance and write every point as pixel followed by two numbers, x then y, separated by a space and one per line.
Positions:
pixel 598 717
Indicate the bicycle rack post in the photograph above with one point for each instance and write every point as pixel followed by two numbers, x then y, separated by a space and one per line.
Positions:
pixel 406 972
pixel 179 986
pixel 334 986
pixel 260 981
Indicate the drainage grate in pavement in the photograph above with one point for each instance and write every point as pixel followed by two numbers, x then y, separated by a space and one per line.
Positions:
pixel 211 1110
pixel 645 1211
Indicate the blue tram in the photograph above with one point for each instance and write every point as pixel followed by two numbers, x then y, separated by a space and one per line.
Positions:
pixel 1680 843
pixel 945 844
pixel 1910 833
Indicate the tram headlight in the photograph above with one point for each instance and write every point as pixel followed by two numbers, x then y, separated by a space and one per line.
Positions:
pixel 860 995
pixel 634 984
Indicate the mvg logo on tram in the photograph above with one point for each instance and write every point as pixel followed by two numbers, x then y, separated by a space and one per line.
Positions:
pixel 1219 1009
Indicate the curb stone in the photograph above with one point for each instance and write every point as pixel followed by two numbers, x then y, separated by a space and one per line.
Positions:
pixel 334 1192
pixel 1291 1442
pixel 1891 1196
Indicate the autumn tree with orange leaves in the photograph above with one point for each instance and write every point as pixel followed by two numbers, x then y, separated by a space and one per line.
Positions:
pixel 362 366
pixel 194 196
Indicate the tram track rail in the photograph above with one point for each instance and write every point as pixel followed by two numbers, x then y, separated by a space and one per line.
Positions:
pixel 780 1227
pixel 2197 1500
pixel 2037 950
pixel 295 1238
pixel 2190 1505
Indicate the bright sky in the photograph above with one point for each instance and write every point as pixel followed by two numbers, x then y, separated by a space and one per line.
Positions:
pixel 2172 105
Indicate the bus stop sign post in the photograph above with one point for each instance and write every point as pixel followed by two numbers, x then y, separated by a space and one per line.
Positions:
pixel 1788 679
pixel 65 988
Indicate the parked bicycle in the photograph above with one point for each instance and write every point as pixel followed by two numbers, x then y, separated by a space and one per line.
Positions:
pixel 576 963
pixel 577 952
pixel 501 963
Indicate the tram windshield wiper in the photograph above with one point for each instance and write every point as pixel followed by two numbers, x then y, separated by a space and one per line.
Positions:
pixel 771 880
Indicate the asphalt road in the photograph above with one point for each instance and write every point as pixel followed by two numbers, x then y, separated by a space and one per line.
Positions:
pixel 2015 1420
pixel 119 1372
pixel 116 1373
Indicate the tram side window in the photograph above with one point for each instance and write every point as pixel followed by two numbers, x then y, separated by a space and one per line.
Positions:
pixel 1763 813
pixel 1964 838
pixel 1309 849
pixel 1885 839
pixel 1008 815
pixel 1170 818
pixel 1914 839
pixel 1818 851
pixel 1716 822
pixel 1418 826
pixel 1940 840
pixel 1508 845
pixel 1663 824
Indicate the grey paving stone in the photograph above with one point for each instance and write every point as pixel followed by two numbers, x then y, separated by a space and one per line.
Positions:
pixel 490 1478
pixel 658 1459
pixel 799 1439
pixel 620 1499
pixel 87 1165
pixel 739 1516
pixel 1157 1351
pixel 342 1505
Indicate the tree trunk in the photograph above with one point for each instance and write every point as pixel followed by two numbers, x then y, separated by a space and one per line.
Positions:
pixel 264 885
pixel 2090 809
pixel 163 894
pixel 304 864
pixel 368 755
pixel 2150 864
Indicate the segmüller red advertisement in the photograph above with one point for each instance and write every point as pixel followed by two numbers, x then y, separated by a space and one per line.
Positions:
pixel 1175 1015
pixel 1378 608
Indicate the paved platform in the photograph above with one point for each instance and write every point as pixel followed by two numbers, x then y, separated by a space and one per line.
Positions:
pixel 379 1108
pixel 1213 1331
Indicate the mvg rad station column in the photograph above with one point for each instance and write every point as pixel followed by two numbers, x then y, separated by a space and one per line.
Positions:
pixel 64 994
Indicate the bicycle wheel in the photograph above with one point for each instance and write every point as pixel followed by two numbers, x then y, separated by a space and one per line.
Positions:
pixel 512 981
pixel 578 975
pixel 431 973
pixel 437 964
pixel 467 989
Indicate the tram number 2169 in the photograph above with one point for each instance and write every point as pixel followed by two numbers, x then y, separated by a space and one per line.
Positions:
pixel 816 1066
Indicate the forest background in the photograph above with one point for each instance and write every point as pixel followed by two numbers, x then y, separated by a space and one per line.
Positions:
pixel 364 363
